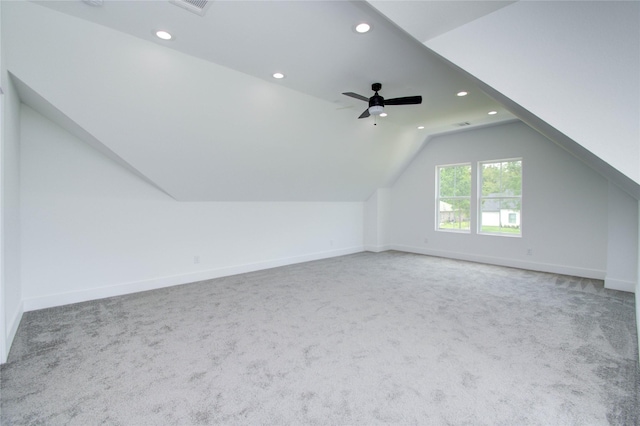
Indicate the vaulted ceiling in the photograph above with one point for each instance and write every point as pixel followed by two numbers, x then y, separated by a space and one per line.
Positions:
pixel 202 118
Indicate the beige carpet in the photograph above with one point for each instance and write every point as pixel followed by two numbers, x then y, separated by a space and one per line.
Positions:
pixel 388 338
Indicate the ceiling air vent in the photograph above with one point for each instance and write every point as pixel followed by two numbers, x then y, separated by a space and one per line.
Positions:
pixel 462 124
pixel 199 7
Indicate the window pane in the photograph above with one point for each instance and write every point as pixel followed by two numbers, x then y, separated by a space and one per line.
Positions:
pixel 446 181
pixel 490 179
pixel 512 178
pixel 454 181
pixel 454 214
pixel 500 216
pixel 463 181
pixel 502 179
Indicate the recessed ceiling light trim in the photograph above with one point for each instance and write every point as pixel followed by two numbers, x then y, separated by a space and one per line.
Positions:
pixel 492 112
pixel 163 35
pixel 462 93
pixel 278 75
pixel 362 28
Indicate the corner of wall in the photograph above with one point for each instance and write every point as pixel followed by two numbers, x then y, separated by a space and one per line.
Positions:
pixel 620 285
pixel 11 290
pixel 638 313
pixel 638 290
pixel 12 329
pixel 622 241
pixel 376 221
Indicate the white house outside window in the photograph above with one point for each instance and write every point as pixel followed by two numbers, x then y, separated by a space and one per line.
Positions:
pixel 500 197
pixel 453 197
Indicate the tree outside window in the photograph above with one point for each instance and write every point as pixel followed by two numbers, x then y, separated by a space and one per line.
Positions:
pixel 501 197
pixel 454 197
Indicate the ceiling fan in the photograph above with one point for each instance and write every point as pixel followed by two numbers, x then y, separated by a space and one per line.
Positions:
pixel 377 102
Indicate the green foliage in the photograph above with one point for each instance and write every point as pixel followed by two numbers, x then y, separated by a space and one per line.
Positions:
pixel 502 178
pixel 455 181
pixel 461 225
pixel 501 230
pixel 501 189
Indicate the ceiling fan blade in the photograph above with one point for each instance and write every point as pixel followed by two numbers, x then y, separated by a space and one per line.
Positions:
pixel 407 100
pixel 365 114
pixel 355 95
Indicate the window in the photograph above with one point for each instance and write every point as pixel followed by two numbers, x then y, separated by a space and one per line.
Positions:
pixel 454 197
pixel 500 197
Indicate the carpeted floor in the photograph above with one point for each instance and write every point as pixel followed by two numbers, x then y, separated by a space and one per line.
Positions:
pixel 387 338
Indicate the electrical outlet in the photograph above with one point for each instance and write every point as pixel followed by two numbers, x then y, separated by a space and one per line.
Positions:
pixel 196 260
pixel 529 252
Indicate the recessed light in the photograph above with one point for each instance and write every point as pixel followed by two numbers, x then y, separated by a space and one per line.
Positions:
pixel 163 35
pixel 363 28
pixel 278 75
pixel 463 93
pixel 492 112
pixel 420 127
pixel 384 114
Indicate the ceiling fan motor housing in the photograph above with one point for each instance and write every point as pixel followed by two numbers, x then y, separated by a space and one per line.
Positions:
pixel 376 100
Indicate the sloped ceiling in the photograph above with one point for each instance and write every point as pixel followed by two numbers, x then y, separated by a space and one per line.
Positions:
pixel 569 69
pixel 200 116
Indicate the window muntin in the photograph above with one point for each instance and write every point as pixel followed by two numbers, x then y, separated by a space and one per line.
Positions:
pixel 500 198
pixel 453 202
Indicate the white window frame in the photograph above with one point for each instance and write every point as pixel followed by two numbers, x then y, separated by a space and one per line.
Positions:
pixel 480 198
pixel 438 198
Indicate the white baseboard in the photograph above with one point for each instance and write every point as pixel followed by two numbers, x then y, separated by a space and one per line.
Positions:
pixel 12 329
pixel 60 299
pixel 621 285
pixel 512 263
pixel 377 249
pixel 638 314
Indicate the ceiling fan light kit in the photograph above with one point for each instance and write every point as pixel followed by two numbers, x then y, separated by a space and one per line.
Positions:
pixel 377 102
pixel 376 109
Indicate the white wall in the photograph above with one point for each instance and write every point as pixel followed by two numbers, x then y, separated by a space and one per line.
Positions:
pixel 574 64
pixel 187 124
pixel 91 229
pixel 564 206
pixel 638 288
pixel 3 328
pixel 376 220
pixel 10 204
pixel 622 241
